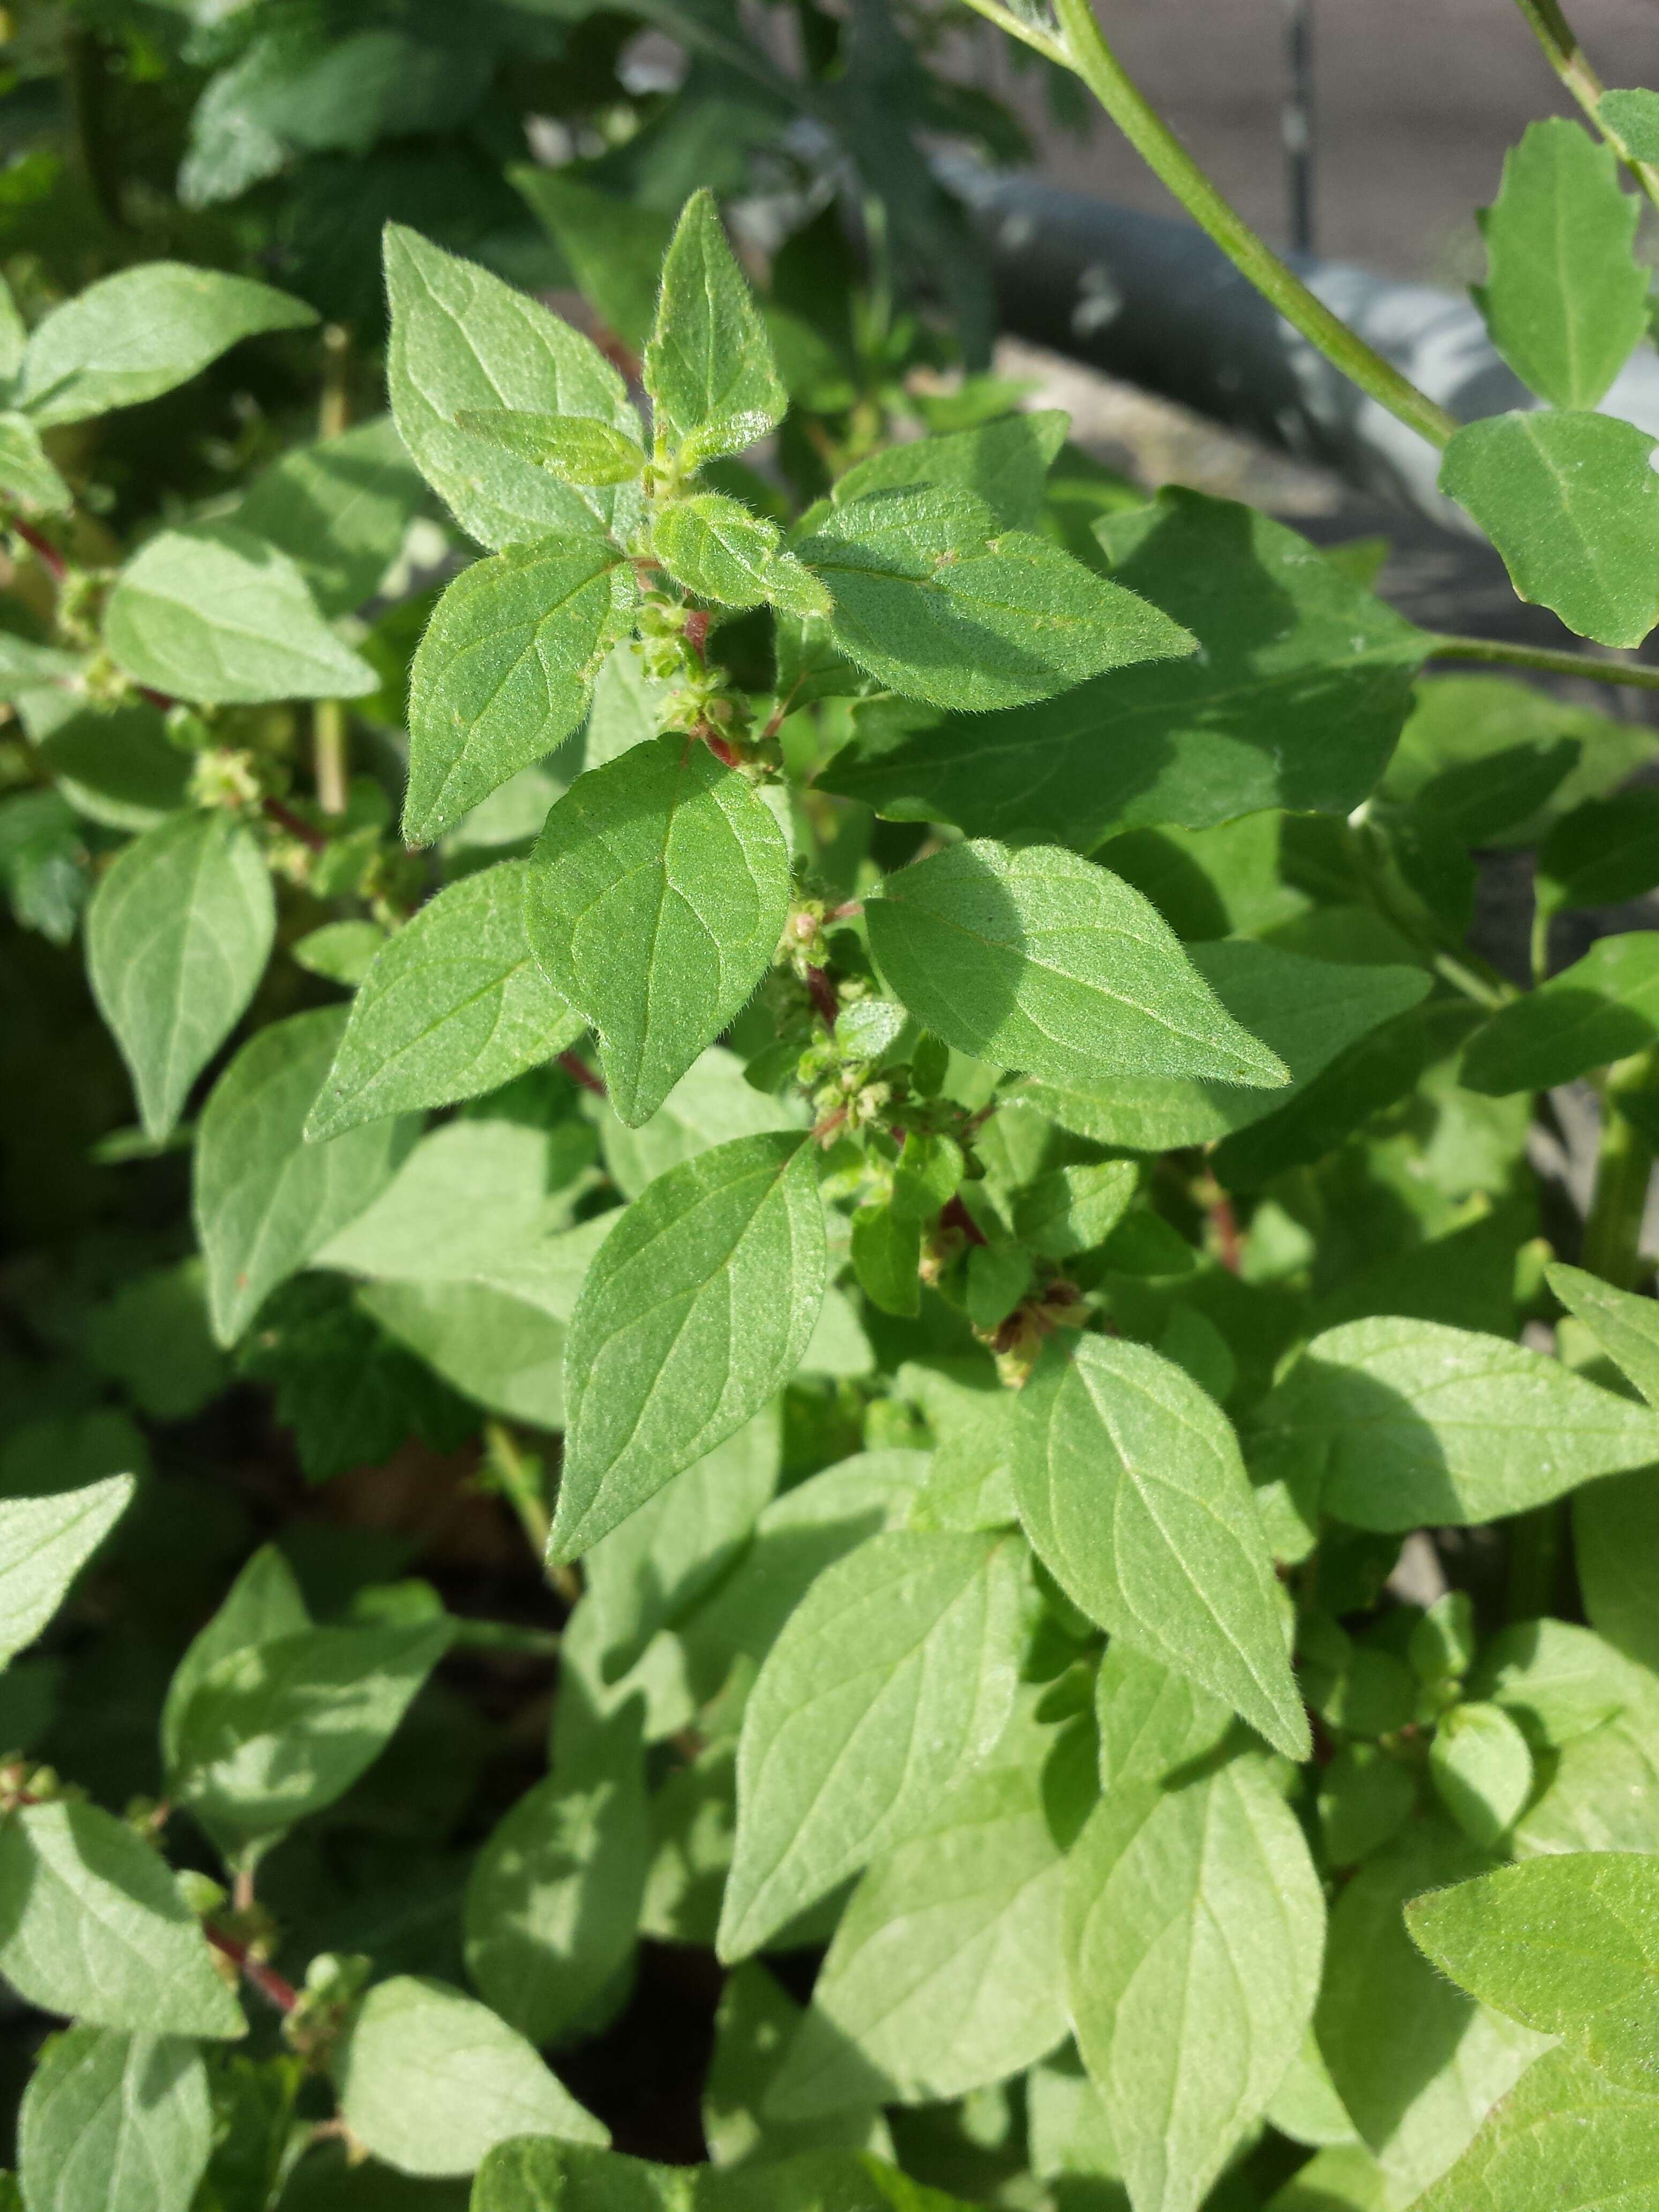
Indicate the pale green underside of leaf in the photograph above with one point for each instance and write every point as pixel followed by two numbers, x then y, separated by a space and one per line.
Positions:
pixel 92 1927
pixel 1041 961
pixel 178 935
pixel 44 1544
pixel 660 891
pixel 453 1005
pixel 946 1971
pixel 113 2123
pixel 1626 1327
pixel 138 333
pixel 1132 1491
pixel 265 1201
pixel 698 1306
pixel 933 597
pixel 505 672
pixel 710 1105
pixel 1394 1423
pixel 1296 699
pixel 1564 298
pixel 895 1672
pixel 430 2081
pixel 1194 1928
pixel 27 473
pixel 212 613
pixel 1564 2139
pixel 1570 500
pixel 1306 1011
pixel 339 509
pixel 461 339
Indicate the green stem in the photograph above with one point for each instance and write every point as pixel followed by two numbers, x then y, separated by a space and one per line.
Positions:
pixel 1541 917
pixel 1081 48
pixel 1549 659
pixel 505 1636
pixel 1623 1167
pixel 331 763
pixel 518 1476
pixel 1568 59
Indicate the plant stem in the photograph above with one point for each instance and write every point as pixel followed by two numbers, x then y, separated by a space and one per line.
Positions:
pixel 271 1985
pixel 1541 918
pixel 1551 659
pixel 1081 48
pixel 505 1636
pixel 519 1477
pixel 328 717
pixel 1568 59
pixel 1624 1166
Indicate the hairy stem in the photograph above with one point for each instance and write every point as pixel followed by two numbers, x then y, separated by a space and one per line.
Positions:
pixel 1081 48
pixel 1568 59
pixel 1624 1165
pixel 1550 660
pixel 271 1985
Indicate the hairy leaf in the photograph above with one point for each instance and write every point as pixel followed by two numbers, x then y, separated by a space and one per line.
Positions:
pixel 895 1670
pixel 660 891
pixel 1603 1007
pixel 698 1306
pixel 1004 463
pixel 1133 1493
pixel 178 935
pixel 27 473
pixel 92 1927
pixel 113 2123
pixel 44 1544
pixel 1564 2139
pixel 1564 298
pixel 1570 500
pixel 339 509
pixel 505 672
pixel 1194 1928
pixel 212 613
pixel 265 1201
pixel 578 449
pixel 1041 961
pixel 708 365
pixel 453 1005
pixel 718 550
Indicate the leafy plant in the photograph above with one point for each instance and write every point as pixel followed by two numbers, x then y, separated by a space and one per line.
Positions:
pixel 808 1074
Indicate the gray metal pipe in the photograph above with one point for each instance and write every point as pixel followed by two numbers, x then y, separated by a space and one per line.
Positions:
pixel 1152 301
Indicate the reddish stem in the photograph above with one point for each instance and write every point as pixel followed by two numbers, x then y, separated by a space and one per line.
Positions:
pixel 956 1216
pixel 270 1985
pixel 697 629
pixel 286 818
pixel 43 549
pixel 823 995
pixel 1224 1222
pixel 579 1072
pixel 722 749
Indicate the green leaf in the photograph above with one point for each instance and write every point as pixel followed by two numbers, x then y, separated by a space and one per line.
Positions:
pixel 453 1005
pixel 708 365
pixel 1568 1945
pixel 1040 960
pixel 901 1657
pixel 340 510
pixel 542 2176
pixel 1365 1796
pixel 754 2025
pixel 1073 1210
pixel 721 551
pixel 1415 2061
pixel 1005 463
pixel 652 1568
pixel 1572 503
pixel 1564 298
pixel 504 1352
pixel 578 449
pixel 261 1604
pixel 1565 2139
pixel 506 670
pixel 92 1927
pixel 1153 1721
pixel 1133 1493
pixel 113 2123
pixel 1635 116
pixel 212 613
pixel 178 935
pixel 1194 1926
pixel 615 246
pixel 1603 1007
pixel 1306 1011
pixel 265 1201
pixel 945 1973
pixel 886 1253
pixel 430 2082
pixel 1294 700
pixel 661 892
pixel 698 1306
pixel 139 333
pixel 934 598
pixel 1481 1771
pixel 112 762
pixel 555 1889
pixel 1559 1680
pixel 44 1544
pixel 1394 1423
pixel 27 473
pixel 279 1729
pixel 460 339
pixel 709 1104
pixel 1602 853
